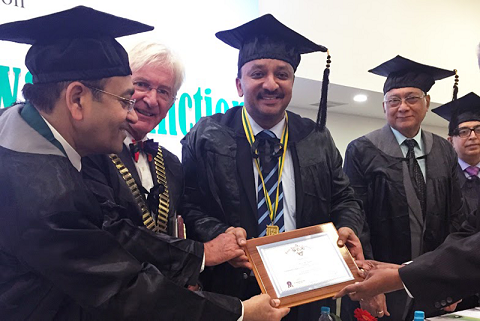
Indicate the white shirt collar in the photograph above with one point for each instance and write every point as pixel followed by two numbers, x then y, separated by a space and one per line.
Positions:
pixel 464 165
pixel 400 138
pixel 72 154
pixel 256 128
pixel 129 139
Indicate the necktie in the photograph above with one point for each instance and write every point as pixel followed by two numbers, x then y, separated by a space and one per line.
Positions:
pixel 416 174
pixel 472 171
pixel 149 147
pixel 269 149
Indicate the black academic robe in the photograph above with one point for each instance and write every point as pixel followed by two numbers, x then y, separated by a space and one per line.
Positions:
pixel 396 227
pixel 179 259
pixel 379 175
pixel 220 189
pixel 470 190
pixel 451 272
pixel 56 261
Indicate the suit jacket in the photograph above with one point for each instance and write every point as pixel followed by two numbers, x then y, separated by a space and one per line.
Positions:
pixel 379 175
pixel 451 272
pixel 56 261
pixel 220 189
pixel 175 180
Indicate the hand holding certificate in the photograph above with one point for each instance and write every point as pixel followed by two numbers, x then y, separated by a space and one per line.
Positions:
pixel 303 265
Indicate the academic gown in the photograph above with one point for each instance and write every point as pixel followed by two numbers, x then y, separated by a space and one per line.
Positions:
pixel 220 190
pixel 396 227
pixel 451 272
pixel 179 259
pixel 56 261
pixel 470 190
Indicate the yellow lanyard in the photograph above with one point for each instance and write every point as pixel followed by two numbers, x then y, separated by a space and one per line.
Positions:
pixel 251 139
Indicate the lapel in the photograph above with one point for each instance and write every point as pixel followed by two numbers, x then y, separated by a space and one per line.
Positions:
pixel 385 140
pixel 153 170
pixel 33 118
pixel 461 176
pixel 244 162
pixel 298 186
pixel 26 139
pixel 296 131
pixel 129 163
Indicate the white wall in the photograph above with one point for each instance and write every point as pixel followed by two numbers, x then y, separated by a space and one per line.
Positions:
pixel 345 128
pixel 361 34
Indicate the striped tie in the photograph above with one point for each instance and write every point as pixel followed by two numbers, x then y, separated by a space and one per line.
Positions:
pixel 269 169
pixel 472 171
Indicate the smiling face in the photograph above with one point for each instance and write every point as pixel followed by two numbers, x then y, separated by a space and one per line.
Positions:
pixel 406 118
pixel 108 118
pixel 468 148
pixel 266 85
pixel 151 106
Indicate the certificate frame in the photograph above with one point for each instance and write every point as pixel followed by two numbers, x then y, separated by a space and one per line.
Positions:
pixel 269 283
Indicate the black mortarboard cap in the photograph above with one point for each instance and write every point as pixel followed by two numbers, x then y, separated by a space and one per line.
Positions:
pixel 75 44
pixel 402 72
pixel 466 108
pixel 267 38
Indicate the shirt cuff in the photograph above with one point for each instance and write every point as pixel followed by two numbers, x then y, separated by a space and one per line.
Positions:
pixel 241 317
pixel 404 286
pixel 203 263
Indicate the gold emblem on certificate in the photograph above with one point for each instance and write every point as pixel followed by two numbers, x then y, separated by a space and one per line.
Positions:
pixel 272 230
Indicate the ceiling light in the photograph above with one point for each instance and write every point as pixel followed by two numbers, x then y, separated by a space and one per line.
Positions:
pixel 360 98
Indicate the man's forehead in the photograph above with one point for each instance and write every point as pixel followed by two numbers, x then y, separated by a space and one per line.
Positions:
pixel 155 74
pixel 404 91
pixel 262 63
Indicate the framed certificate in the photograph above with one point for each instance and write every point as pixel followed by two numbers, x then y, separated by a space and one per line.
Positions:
pixel 303 265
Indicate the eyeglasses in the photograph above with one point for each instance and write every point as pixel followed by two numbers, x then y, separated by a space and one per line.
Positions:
pixel 464 132
pixel 144 87
pixel 126 103
pixel 410 101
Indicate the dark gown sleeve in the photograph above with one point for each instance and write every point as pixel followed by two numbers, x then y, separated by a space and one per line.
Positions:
pixel 200 225
pixel 346 210
pixel 178 259
pixel 353 169
pixel 53 227
pixel 449 273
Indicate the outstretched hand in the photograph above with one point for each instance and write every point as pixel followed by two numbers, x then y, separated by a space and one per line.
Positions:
pixel 241 236
pixel 221 249
pixel 379 280
pixel 346 236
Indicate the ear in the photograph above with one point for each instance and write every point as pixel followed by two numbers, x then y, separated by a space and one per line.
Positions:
pixel 76 96
pixel 384 108
pixel 450 139
pixel 238 83
pixel 427 98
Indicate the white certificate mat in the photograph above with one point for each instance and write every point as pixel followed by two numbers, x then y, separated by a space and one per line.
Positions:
pixel 303 264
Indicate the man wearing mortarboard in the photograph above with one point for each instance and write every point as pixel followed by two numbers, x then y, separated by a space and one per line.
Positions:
pixel 56 261
pixel 146 181
pixel 231 159
pixel 463 115
pixel 406 177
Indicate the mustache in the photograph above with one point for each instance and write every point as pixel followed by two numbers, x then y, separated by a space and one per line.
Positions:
pixel 275 93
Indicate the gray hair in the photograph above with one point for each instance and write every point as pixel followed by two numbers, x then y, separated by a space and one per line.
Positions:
pixel 151 53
